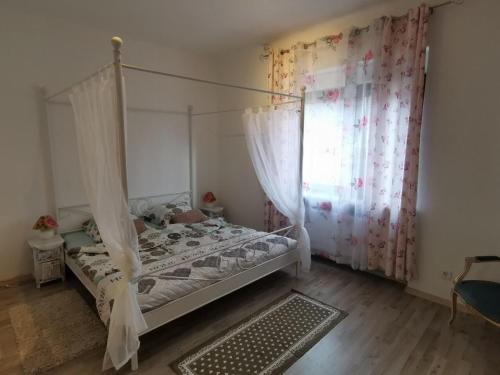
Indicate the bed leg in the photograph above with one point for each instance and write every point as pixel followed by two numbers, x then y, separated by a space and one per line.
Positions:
pixel 297 269
pixel 134 362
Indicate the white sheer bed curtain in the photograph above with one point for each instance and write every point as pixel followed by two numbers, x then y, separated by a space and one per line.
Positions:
pixel 95 107
pixel 273 140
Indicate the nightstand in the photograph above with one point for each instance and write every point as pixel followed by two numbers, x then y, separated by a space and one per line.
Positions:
pixel 213 212
pixel 48 259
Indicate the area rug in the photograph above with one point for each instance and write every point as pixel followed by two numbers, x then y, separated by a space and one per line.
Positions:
pixel 267 342
pixel 54 330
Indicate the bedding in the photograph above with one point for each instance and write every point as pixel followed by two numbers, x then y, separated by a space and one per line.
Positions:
pixel 179 260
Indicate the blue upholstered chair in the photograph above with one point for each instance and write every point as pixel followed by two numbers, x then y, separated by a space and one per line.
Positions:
pixel 482 297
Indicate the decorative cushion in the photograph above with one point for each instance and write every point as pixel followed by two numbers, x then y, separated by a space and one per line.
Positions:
pixel 139 206
pixel 484 296
pixel 175 208
pixel 158 215
pixel 90 227
pixel 139 226
pixel 189 217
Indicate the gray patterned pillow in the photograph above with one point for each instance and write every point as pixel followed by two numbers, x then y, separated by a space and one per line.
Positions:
pixel 161 214
pixel 175 208
pixel 158 215
pixel 90 227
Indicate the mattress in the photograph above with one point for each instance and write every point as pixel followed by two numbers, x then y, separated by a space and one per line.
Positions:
pixel 179 259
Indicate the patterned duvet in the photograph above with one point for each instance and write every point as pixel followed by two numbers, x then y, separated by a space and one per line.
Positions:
pixel 181 259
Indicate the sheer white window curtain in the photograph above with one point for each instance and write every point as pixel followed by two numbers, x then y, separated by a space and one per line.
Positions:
pixel 97 127
pixel 273 140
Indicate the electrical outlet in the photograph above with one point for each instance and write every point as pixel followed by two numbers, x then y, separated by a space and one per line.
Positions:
pixel 446 275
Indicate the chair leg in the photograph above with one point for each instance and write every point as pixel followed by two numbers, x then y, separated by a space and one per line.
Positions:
pixel 453 307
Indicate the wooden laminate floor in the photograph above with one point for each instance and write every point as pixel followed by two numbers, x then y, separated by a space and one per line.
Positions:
pixel 387 331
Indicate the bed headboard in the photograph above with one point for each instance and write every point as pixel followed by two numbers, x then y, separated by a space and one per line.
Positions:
pixel 70 218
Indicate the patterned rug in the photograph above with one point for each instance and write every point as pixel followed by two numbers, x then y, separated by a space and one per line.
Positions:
pixel 54 330
pixel 267 342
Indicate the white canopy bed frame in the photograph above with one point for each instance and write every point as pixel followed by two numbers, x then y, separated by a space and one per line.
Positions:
pixel 180 306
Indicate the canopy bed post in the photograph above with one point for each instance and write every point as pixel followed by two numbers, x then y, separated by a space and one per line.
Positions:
pixel 191 156
pixel 302 119
pixel 301 155
pixel 117 43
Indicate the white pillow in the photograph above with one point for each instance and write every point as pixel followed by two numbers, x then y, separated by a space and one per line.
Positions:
pixel 139 206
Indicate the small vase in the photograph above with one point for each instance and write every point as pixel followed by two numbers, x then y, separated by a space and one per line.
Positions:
pixel 210 204
pixel 46 234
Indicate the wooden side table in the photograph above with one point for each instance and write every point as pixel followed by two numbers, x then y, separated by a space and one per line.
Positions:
pixel 213 212
pixel 48 259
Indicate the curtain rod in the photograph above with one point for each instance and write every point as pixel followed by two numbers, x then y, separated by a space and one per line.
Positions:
pixel 451 2
pixel 151 71
pixel 306 45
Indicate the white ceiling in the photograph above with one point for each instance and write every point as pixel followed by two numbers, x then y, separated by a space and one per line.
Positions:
pixel 205 25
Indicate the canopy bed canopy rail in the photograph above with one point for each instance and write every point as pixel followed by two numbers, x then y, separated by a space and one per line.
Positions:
pixel 242 109
pixel 130 108
pixel 215 83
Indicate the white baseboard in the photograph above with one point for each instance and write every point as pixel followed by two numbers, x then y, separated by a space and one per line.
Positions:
pixel 442 301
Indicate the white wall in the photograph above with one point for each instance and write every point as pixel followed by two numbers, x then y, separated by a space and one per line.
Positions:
pixel 458 196
pixel 37 50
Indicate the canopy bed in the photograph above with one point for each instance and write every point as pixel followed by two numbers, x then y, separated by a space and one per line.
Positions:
pixel 144 280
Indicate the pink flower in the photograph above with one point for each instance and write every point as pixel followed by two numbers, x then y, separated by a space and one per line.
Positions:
pixel 45 222
pixel 331 95
pixel 335 38
pixel 368 56
pixel 50 222
pixel 354 241
pixel 359 183
pixel 325 206
pixel 309 79
pixel 363 121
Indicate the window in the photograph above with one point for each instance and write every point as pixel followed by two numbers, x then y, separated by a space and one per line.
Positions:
pixel 336 134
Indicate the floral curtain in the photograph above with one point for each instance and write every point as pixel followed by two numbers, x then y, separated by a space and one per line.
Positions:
pixel 361 145
pixel 400 105
pixel 280 78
